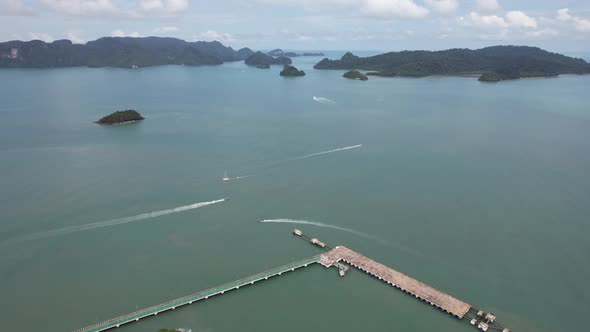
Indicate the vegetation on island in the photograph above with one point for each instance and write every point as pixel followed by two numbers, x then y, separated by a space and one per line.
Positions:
pixel 123 52
pixel 291 71
pixel 355 75
pixel 494 63
pixel 263 66
pixel 261 59
pixel 121 117
pixel 491 77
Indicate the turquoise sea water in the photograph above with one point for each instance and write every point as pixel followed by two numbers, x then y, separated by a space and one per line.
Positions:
pixel 480 190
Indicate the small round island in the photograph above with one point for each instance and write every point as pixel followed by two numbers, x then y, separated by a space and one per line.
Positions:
pixel 291 71
pixel 121 117
pixel 355 75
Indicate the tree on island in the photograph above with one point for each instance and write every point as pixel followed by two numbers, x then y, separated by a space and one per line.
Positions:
pixel 355 75
pixel 291 71
pixel 121 117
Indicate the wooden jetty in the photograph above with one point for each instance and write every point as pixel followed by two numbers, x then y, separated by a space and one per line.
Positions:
pixel 407 284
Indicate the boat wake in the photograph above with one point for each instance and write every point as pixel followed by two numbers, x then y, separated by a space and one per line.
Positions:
pixel 321 153
pixel 242 177
pixel 318 224
pixel 120 221
pixel 323 100
pixel 349 230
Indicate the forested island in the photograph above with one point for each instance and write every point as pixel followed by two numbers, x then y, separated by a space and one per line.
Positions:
pixel 123 52
pixel 262 60
pixel 355 75
pixel 121 117
pixel 493 63
pixel 291 71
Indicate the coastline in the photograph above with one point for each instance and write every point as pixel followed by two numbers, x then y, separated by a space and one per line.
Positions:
pixel 116 124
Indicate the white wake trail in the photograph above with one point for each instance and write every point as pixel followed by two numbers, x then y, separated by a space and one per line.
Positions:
pixel 120 221
pixel 349 230
pixel 311 155
pixel 242 177
pixel 323 100
pixel 318 224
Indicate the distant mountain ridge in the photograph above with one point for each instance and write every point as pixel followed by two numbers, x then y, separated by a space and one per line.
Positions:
pixel 126 52
pixel 493 63
pixel 278 53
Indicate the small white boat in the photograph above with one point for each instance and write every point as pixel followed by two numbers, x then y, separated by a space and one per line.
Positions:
pixel 225 177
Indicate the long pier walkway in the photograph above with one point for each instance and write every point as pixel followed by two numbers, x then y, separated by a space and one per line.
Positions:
pixel 338 257
pixel 203 295
pixel 407 284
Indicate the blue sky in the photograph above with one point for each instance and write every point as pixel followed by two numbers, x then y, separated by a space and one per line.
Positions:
pixel 556 25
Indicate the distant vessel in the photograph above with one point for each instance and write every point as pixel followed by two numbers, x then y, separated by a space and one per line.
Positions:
pixel 225 177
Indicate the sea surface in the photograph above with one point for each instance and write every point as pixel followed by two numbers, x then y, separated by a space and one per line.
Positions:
pixel 481 190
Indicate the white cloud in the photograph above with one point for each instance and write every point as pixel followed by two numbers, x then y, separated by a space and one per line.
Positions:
pixel 85 7
pixel 374 8
pixel 519 19
pixel 488 5
pixel 164 6
pixel 15 8
pixel 165 30
pixel 564 15
pixel 513 25
pixel 512 19
pixel 581 24
pixel 285 34
pixel 394 8
pixel 41 36
pixel 443 6
pixel 74 36
pixel 513 35
pixel 540 34
pixel 114 8
pixel 483 21
pixel 121 33
pixel 314 5
pixel 212 35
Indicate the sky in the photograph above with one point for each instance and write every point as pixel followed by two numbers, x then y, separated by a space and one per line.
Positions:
pixel 556 25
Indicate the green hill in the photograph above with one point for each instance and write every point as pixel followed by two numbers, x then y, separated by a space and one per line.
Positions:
pixel 497 62
pixel 117 52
